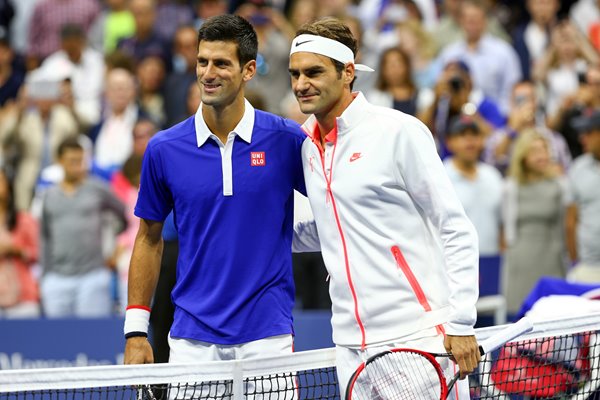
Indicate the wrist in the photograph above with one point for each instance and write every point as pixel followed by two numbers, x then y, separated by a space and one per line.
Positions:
pixel 137 320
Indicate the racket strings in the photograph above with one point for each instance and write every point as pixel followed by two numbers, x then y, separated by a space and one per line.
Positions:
pixel 398 376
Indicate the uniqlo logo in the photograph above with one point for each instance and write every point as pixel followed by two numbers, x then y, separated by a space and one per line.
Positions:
pixel 257 159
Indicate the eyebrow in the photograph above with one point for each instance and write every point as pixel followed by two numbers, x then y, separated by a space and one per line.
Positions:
pixel 309 70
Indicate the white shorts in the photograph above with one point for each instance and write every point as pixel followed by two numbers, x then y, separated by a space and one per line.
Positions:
pixel 348 359
pixel 191 351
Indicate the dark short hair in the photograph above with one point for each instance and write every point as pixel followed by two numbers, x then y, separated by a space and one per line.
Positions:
pixel 72 31
pixel 71 143
pixel 231 28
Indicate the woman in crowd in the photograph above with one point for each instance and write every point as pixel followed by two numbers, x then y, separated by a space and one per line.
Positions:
pixel 535 198
pixel 19 297
pixel 395 87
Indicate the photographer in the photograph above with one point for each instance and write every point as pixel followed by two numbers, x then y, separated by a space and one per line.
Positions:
pixel 524 115
pixel 41 120
pixel 454 94
pixel 586 96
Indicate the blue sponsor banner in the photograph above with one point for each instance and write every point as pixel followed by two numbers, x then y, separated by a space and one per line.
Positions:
pixel 44 343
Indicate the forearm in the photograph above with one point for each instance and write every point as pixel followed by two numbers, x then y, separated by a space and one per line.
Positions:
pixel 570 233
pixel 144 270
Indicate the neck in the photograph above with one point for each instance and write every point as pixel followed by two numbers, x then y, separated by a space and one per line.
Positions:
pixel 534 176
pixel 222 120
pixel 466 168
pixel 472 42
pixel 69 185
pixel 327 120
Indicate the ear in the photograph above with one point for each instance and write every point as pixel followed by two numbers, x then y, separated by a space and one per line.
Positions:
pixel 249 70
pixel 348 74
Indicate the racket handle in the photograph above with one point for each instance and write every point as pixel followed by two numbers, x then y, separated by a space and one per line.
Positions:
pixel 496 341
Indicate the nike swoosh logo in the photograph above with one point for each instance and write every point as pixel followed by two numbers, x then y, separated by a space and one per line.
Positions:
pixel 355 157
pixel 306 41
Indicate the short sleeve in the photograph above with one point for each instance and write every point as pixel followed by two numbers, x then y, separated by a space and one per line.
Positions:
pixel 154 199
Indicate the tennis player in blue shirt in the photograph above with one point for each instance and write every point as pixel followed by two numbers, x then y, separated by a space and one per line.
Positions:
pixel 229 174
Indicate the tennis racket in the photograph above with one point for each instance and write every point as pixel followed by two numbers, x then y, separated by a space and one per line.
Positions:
pixel 409 374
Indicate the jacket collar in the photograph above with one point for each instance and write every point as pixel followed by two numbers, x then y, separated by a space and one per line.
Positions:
pixel 351 116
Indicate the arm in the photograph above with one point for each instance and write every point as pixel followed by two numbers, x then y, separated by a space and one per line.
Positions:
pixel 571 228
pixel 306 237
pixel 428 184
pixel 143 276
pixel 113 204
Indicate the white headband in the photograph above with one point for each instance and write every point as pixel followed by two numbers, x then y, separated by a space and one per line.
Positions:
pixel 326 47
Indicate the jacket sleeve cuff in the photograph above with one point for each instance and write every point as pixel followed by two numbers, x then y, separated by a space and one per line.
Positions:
pixel 455 329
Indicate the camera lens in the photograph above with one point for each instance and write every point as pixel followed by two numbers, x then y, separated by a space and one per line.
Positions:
pixel 456 83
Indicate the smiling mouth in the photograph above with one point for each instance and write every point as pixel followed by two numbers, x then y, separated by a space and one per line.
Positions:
pixel 304 97
pixel 210 86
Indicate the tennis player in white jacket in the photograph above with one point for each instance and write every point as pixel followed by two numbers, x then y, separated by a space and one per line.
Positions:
pixel 400 251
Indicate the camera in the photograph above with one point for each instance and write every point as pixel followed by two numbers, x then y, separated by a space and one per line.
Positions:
pixel 456 83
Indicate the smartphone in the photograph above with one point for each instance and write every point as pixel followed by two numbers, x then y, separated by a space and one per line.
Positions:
pixel 47 90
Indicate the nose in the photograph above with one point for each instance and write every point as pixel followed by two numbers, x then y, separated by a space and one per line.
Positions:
pixel 302 83
pixel 209 71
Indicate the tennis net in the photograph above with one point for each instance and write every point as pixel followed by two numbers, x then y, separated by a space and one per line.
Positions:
pixel 559 359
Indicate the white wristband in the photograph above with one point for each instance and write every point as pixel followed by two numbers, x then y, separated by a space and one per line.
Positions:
pixel 137 319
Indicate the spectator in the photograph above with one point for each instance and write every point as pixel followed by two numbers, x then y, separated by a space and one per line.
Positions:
pixel 42 121
pixel 494 64
pixel 421 48
pixel 146 41
pixel 173 14
pixel 583 217
pixel 530 39
pixel 76 280
pixel 19 297
pixel 150 78
pixel 11 78
pixel 205 9
pixel 585 14
pixel 448 30
pixel 183 74
pixel 114 23
pixel 84 67
pixel 534 203
pixel 587 96
pixel 454 94
pixel 395 87
pixel 478 185
pixel 112 136
pixel 561 66
pixel 302 12
pixel 272 79
pixel 47 20
pixel 524 114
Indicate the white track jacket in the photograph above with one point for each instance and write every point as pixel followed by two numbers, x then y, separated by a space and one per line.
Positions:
pixel 400 251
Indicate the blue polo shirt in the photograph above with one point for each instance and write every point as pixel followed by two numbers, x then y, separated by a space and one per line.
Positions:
pixel 233 210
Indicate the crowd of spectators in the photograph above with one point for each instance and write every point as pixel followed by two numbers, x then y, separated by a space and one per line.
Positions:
pixel 509 89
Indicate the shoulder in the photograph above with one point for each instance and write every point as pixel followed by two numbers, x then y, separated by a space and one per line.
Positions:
pixel 394 121
pixel 96 184
pixel 175 133
pixel 268 123
pixel 580 163
pixel 490 172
